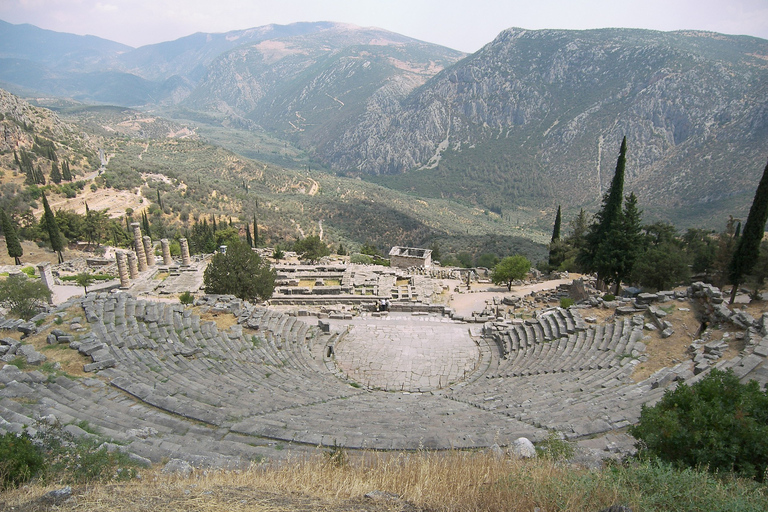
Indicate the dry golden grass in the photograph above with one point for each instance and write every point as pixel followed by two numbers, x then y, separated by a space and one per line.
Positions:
pixel 456 481
pixel 223 320
pixel 71 360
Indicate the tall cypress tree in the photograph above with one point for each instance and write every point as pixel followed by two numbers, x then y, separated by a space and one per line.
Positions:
pixel 597 255
pixel 66 173
pixel 57 242
pixel 556 229
pixel 255 232
pixel 11 238
pixel 748 246
pixel 248 238
pixel 55 173
pixel 555 246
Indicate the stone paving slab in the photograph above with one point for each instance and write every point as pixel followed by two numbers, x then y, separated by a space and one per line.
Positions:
pixel 390 355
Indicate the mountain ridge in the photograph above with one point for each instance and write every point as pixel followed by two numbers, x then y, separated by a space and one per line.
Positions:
pixel 533 119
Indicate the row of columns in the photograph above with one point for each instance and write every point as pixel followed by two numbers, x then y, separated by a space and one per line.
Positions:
pixel 130 264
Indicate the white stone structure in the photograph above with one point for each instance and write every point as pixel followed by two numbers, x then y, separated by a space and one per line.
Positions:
pixel 406 257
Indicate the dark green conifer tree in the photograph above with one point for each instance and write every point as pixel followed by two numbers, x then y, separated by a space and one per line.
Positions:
pixel 248 238
pixel 66 172
pixel 12 242
pixel 748 246
pixel 255 232
pixel 597 253
pixel 556 229
pixel 55 173
pixel 54 235
pixel 556 247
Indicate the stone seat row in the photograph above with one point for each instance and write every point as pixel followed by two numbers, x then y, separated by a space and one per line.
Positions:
pixel 579 404
pixel 596 347
pixel 208 383
pixel 114 416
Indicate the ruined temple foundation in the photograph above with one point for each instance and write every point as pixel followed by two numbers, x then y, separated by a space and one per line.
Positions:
pixel 185 259
pixel 166 247
pixel 139 246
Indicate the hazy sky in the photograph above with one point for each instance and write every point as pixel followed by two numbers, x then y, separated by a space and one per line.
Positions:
pixel 460 24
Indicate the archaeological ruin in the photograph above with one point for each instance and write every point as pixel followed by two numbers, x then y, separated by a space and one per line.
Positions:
pixel 224 382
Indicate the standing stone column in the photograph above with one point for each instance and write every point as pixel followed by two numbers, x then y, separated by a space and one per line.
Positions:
pixel 166 247
pixel 46 277
pixel 133 265
pixel 185 259
pixel 139 246
pixel 149 252
pixel 122 270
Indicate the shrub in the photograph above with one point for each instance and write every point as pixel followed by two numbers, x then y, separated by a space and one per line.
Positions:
pixel 361 259
pixel 186 298
pixel 23 296
pixel 20 460
pixel 608 297
pixel 555 447
pixel 566 302
pixel 717 423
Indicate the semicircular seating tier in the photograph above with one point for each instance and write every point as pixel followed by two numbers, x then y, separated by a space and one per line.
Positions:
pixel 206 393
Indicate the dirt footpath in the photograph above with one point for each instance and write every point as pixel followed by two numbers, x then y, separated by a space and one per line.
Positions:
pixel 465 303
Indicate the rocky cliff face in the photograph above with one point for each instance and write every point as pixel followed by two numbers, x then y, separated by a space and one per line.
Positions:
pixel 694 107
pixel 314 87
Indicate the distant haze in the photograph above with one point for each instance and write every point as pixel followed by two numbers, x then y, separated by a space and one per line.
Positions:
pixel 464 25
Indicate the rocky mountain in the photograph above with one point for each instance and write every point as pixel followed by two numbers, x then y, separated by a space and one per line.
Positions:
pixel 537 117
pixel 312 88
pixel 532 120
pixel 86 68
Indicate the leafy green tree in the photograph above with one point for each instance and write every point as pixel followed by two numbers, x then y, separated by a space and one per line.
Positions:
pixel 12 242
pixel 661 267
pixel 510 269
pixel 435 248
pixel 84 279
pixel 700 248
pixel 240 272
pixel 52 228
pixel 487 260
pixel 311 248
pixel 369 249
pixel 227 236
pixel 716 423
pixel 464 259
pixel 23 296
pixel 663 261
pixel 748 246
